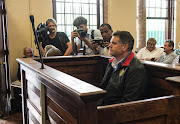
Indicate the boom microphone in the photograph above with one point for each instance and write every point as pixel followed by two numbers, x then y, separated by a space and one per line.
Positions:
pixel 32 19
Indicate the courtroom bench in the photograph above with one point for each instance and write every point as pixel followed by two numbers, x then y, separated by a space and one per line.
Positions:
pixel 51 95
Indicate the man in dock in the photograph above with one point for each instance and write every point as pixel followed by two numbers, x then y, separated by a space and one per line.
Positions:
pixel 125 78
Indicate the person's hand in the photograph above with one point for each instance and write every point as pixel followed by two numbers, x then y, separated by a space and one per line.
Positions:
pixel 43 53
pixel 105 44
pixel 74 34
pixel 95 46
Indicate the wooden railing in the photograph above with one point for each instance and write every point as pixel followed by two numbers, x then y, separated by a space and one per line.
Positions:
pixel 51 96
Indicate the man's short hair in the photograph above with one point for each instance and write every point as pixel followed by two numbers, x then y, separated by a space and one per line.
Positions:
pixel 150 40
pixel 125 38
pixel 171 43
pixel 79 20
pixel 51 20
pixel 25 48
pixel 106 24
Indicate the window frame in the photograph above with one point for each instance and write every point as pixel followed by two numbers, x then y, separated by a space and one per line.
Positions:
pixel 98 11
pixel 169 34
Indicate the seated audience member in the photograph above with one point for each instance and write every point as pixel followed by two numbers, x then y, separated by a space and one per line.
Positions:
pixel 150 52
pixel 125 76
pixel 87 37
pixel 177 51
pixel 106 32
pixel 169 55
pixel 57 39
pixel 51 50
pixel 28 52
pixel 16 102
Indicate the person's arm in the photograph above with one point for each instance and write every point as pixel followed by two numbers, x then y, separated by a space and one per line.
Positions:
pixel 170 59
pixel 41 49
pixel 159 53
pixel 176 60
pixel 68 50
pixel 73 35
pixel 89 44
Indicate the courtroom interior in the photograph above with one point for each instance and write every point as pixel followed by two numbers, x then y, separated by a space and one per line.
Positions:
pixel 90 62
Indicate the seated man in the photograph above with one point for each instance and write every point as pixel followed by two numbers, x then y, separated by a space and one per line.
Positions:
pixel 106 32
pixel 16 102
pixel 125 76
pixel 150 52
pixel 169 55
pixel 87 37
pixel 28 52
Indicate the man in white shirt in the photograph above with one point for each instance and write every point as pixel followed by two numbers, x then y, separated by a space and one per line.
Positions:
pixel 150 52
pixel 169 55
pixel 86 40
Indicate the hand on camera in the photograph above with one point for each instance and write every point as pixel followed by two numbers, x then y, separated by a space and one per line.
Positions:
pixel 95 46
pixel 74 34
pixel 105 44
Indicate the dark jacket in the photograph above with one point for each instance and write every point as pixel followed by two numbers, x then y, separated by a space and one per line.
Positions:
pixel 127 83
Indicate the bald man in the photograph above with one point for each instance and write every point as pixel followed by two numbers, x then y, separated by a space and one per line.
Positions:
pixel 28 52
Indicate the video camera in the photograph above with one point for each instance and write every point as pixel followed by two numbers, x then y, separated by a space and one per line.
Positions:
pixel 81 32
pixel 42 32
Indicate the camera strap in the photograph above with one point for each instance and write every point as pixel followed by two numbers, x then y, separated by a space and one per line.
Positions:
pixel 92 34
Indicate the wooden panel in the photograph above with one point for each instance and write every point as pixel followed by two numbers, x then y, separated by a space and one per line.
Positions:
pixel 32 118
pixel 140 110
pixel 68 105
pixel 33 113
pixel 61 112
pixel 54 118
pixel 77 69
pixel 34 99
pixel 154 120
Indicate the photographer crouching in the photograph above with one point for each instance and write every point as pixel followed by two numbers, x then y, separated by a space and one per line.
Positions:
pixel 57 39
pixel 87 36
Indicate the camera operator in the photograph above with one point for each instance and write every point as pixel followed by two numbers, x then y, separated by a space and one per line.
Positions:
pixel 86 35
pixel 57 39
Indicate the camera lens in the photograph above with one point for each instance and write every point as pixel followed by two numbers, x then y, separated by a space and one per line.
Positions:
pixel 82 33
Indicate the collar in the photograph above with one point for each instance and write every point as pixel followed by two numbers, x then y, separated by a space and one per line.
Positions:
pixel 126 61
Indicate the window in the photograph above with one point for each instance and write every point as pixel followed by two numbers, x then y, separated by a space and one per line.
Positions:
pixel 65 11
pixel 160 20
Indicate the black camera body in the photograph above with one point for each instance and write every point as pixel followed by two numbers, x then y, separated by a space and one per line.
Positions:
pixel 81 32
pixel 42 32
pixel 99 42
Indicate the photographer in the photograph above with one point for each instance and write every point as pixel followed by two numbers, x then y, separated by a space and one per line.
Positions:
pixel 57 39
pixel 106 32
pixel 86 35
